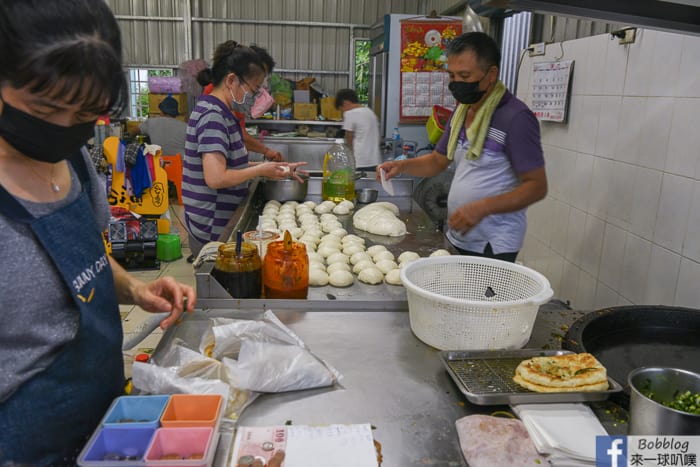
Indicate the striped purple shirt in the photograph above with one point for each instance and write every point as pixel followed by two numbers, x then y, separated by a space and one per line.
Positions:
pixel 211 128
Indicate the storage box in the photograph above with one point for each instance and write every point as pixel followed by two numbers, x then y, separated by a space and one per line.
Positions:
pixel 116 447
pixel 302 96
pixel 305 111
pixel 328 109
pixel 168 247
pixel 191 410
pixel 194 447
pixel 154 99
pixel 136 411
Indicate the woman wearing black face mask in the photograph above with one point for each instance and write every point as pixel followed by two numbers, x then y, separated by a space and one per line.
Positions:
pixel 494 141
pixel 61 333
pixel 216 170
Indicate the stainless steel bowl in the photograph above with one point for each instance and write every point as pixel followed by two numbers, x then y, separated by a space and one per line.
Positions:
pixel 289 189
pixel 649 417
pixel 366 195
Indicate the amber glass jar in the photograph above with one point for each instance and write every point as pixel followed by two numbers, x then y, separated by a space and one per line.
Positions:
pixel 239 273
pixel 286 269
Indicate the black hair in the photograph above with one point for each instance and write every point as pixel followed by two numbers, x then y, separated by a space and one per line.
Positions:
pixel 231 57
pixel 265 58
pixel 485 48
pixel 64 49
pixel 345 95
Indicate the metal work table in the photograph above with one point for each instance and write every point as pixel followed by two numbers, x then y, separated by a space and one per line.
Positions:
pixel 422 237
pixel 391 380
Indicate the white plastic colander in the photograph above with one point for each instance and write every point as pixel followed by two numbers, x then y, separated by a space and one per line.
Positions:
pixel 473 303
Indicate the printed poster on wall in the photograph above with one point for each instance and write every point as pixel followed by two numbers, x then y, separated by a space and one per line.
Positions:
pixel 550 89
pixel 423 77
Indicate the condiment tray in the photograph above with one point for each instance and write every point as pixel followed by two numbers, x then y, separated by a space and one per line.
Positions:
pixel 485 377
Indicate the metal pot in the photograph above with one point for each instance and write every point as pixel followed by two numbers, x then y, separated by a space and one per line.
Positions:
pixel 288 189
pixel 366 195
pixel 648 417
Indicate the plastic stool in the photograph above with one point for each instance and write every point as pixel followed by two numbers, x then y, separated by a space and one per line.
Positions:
pixel 168 247
pixel 173 167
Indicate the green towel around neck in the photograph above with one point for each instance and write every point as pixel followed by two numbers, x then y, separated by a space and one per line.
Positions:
pixel 476 133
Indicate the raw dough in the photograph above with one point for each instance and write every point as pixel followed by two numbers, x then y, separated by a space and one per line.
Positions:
pixel 380 219
pixel 341 279
pixel 371 276
pixel 374 249
pixel 408 256
pixel 339 232
pixel 386 265
pixel 341 210
pixel 440 252
pixel 310 204
pixel 348 204
pixel 337 258
pixel 364 264
pixel 313 256
pixel 382 255
pixel 317 277
pixel 393 277
pixel 317 265
pixel 338 267
pixel 351 249
pixel 360 256
pixel 326 250
pixel 353 238
pixel 325 207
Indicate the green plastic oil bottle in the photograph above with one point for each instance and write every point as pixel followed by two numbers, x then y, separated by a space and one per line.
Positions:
pixel 338 173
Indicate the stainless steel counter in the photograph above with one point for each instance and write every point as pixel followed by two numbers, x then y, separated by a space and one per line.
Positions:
pixel 391 380
pixel 422 237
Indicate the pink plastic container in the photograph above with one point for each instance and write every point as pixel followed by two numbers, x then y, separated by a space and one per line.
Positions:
pixel 181 447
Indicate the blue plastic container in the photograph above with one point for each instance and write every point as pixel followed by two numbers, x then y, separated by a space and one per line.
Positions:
pixel 121 447
pixel 136 411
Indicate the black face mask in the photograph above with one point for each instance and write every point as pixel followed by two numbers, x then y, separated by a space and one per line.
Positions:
pixel 39 139
pixel 466 92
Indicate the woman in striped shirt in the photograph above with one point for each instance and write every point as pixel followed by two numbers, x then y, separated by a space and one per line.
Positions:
pixel 216 170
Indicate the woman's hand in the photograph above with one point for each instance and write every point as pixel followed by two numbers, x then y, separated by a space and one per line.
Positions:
pixel 164 295
pixel 391 169
pixel 279 170
pixel 249 461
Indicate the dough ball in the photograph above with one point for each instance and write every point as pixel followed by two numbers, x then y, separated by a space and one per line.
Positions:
pixel 339 232
pixel 364 264
pixel 310 204
pixel 360 256
pixel 337 258
pixel 327 217
pixel 297 232
pixel 393 277
pixel 351 249
pixel 440 252
pixel 374 249
pixel 323 208
pixel 316 265
pixel 330 226
pixel 314 257
pixel 273 202
pixel 309 239
pixel 310 246
pixel 408 256
pixel 341 210
pixel 347 203
pixel 353 238
pixel 317 277
pixel 338 267
pixel 386 265
pixel 341 279
pixel 371 276
pixel 291 203
pixel 382 255
pixel 326 250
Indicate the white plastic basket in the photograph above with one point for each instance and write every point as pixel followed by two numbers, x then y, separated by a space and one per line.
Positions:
pixel 473 303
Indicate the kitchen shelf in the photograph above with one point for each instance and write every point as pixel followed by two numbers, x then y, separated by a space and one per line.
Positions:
pixel 264 121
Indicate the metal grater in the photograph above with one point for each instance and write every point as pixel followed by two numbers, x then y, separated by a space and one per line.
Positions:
pixel 486 378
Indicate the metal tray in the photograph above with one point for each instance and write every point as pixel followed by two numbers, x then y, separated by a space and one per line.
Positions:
pixel 485 377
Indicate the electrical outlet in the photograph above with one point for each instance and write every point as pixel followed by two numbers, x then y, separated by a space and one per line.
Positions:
pixel 630 36
pixel 536 49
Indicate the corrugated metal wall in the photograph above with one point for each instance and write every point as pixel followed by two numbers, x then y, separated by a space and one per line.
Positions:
pixel 305 37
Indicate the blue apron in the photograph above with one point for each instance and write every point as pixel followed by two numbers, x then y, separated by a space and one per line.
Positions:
pixel 49 418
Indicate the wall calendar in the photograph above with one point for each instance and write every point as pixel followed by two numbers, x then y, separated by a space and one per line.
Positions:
pixel 551 88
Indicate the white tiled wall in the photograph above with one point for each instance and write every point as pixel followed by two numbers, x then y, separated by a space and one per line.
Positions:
pixel 621 222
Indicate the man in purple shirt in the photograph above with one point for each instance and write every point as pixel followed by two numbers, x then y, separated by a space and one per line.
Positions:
pixel 494 140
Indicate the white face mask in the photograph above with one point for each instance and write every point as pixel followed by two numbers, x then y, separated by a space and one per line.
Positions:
pixel 234 101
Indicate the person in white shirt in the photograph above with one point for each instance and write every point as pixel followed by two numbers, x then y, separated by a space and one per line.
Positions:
pixel 361 129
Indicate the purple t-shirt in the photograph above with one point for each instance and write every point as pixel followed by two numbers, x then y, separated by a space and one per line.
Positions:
pixel 514 130
pixel 512 147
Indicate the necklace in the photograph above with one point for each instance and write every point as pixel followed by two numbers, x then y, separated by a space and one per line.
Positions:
pixel 54 186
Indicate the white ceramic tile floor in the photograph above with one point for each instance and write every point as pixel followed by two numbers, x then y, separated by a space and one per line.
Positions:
pixel 133 316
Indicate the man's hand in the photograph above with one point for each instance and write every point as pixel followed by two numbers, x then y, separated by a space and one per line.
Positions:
pixel 467 216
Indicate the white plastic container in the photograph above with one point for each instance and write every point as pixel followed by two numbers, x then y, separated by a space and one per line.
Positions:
pixel 473 303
